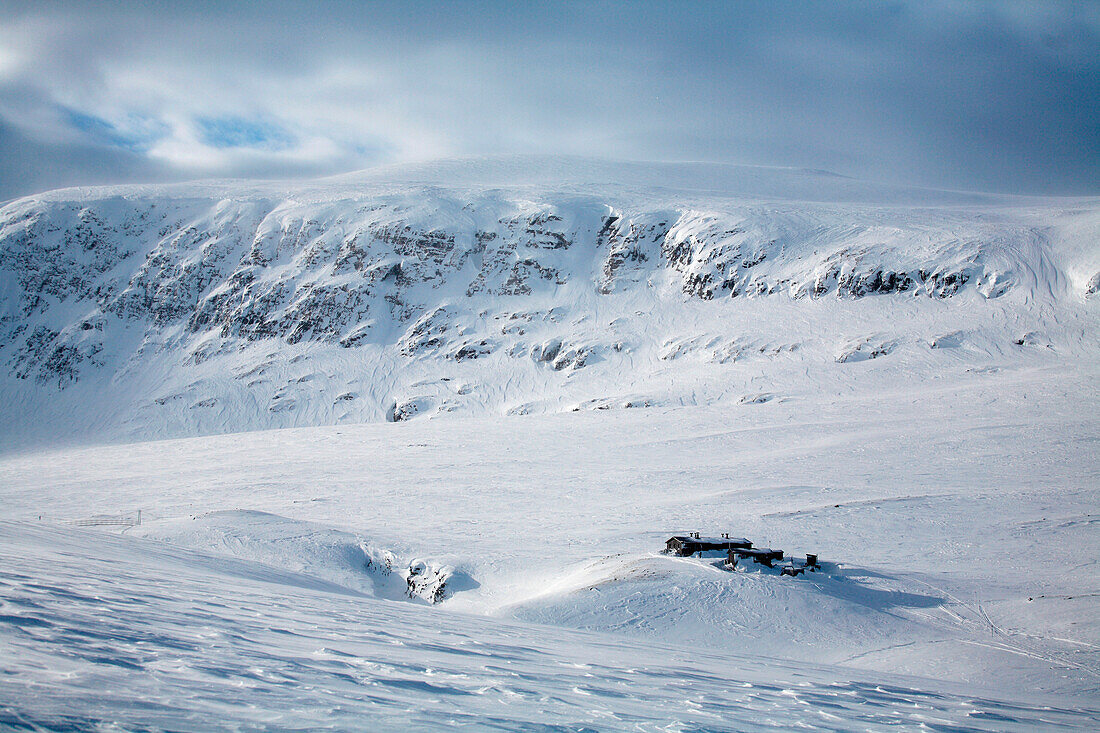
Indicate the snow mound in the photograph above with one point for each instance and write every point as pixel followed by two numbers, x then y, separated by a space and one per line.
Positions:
pixel 692 601
pixel 331 555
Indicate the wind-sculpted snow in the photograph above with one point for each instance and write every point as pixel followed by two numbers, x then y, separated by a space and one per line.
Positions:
pixel 217 307
pixel 954 519
pixel 341 558
pixel 113 632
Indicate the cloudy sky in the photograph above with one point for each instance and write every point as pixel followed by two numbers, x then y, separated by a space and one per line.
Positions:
pixel 993 96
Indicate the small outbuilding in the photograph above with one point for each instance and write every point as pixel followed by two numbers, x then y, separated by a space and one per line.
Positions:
pixel 764 555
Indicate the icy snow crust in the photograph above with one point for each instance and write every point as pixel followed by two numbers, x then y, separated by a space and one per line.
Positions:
pixel 582 360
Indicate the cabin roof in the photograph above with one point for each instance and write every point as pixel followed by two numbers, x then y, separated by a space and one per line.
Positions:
pixel 706 540
pixel 759 551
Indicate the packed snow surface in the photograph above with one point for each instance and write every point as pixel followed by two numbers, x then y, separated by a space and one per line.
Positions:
pixel 407 444
pixel 137 634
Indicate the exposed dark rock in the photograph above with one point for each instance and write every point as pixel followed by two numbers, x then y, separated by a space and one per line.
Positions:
pixel 1093 285
pixel 473 351
pixel 246 271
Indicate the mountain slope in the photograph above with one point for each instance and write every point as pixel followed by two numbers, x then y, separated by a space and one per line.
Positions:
pixel 174 310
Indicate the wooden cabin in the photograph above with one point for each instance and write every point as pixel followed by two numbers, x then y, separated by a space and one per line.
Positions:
pixel 763 555
pixel 688 545
pixel 737 548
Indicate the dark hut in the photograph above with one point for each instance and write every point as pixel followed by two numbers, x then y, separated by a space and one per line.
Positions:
pixel 763 555
pixel 687 545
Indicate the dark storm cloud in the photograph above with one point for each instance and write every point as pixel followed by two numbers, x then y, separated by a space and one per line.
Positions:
pixel 999 95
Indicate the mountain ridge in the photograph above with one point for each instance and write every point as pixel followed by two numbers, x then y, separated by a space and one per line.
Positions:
pixel 214 307
pixel 721 180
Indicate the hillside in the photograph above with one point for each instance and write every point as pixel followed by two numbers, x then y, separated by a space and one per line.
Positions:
pixel 513 286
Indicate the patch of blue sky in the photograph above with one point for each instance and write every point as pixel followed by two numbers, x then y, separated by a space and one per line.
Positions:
pixel 135 132
pixel 240 132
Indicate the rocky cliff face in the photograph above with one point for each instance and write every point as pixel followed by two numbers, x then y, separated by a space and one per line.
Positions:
pixel 207 295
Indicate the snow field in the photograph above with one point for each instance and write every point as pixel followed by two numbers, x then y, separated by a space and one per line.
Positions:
pixel 117 632
pixel 406 445
pixel 961 547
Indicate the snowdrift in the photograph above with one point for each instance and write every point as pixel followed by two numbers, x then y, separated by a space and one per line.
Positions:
pixel 327 554
pixel 175 639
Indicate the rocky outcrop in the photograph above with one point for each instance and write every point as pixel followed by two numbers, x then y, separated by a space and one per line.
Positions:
pixel 425 274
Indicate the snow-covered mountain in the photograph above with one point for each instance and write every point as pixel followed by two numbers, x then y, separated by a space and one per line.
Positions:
pixel 900 380
pixel 513 286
